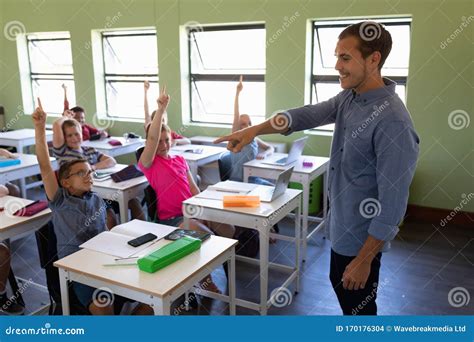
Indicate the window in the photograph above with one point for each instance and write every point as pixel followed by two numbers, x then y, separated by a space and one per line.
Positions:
pixel 325 79
pixel 50 65
pixel 218 56
pixel 130 58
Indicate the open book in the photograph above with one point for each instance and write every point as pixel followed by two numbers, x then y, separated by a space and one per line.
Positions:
pixel 114 242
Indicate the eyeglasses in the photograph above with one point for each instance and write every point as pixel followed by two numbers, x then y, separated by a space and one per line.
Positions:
pixel 82 174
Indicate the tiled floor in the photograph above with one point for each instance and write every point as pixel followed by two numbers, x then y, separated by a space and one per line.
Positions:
pixel 423 265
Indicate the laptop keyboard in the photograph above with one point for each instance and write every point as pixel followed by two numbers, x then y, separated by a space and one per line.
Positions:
pixel 282 160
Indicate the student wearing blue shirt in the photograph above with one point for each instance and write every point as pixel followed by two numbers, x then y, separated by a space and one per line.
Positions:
pixel 249 152
pixel 373 160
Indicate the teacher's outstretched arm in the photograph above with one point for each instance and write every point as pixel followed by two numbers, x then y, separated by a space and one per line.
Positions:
pixel 278 123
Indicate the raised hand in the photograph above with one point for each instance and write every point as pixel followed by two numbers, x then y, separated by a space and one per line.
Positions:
pixel 69 114
pixel 64 86
pixel 146 85
pixel 163 99
pixel 240 86
pixel 39 116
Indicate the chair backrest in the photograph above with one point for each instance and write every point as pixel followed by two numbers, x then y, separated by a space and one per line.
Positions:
pixel 150 195
pixel 48 254
pixel 225 165
pixel 139 152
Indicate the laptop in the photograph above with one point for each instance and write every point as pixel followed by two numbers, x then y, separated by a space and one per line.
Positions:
pixel 269 194
pixel 295 152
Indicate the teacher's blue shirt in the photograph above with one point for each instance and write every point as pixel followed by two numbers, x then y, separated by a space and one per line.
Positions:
pixel 373 158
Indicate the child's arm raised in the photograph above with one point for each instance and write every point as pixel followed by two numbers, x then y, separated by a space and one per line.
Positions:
pixel 154 132
pixel 235 123
pixel 42 152
pixel 66 102
pixel 146 87
pixel 58 134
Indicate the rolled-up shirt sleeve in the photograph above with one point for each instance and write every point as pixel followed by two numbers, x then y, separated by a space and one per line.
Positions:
pixel 396 147
pixel 311 116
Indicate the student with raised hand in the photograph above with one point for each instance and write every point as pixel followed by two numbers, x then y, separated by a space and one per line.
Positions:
pixel 249 152
pixel 177 139
pixel 88 131
pixel 73 203
pixel 67 146
pixel 170 177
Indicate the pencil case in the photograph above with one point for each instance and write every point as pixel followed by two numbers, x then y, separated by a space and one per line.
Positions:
pixel 9 162
pixel 31 209
pixel 241 201
pixel 168 254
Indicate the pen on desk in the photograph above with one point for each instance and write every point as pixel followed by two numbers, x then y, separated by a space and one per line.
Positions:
pixel 116 259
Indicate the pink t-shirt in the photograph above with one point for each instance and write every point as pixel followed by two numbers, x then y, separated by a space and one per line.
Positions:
pixel 169 179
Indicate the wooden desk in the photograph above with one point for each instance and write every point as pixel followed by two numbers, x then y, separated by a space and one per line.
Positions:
pixel 209 154
pixel 128 146
pixel 121 192
pixel 302 175
pixel 21 138
pixel 260 219
pixel 157 289
pixel 29 167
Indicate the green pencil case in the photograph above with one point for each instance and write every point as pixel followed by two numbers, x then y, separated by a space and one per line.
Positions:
pixel 168 254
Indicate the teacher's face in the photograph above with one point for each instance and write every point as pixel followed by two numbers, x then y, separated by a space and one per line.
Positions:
pixel 352 67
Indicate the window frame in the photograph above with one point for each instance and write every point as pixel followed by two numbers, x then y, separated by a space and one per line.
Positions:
pixel 47 76
pixel 124 78
pixel 196 77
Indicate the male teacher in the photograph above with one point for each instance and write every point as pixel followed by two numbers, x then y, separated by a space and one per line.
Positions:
pixel 373 159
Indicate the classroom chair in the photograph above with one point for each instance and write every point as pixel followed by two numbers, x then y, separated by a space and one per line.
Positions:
pixel 48 254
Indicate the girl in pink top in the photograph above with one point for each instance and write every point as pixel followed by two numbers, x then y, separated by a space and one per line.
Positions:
pixel 170 178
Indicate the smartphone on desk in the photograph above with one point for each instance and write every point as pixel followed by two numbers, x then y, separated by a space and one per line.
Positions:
pixel 142 240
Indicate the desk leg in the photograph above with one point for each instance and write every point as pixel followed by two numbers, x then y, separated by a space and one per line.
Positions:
pixel 231 282
pixel 193 167
pixel 325 197
pixel 298 245
pixel 247 173
pixel 123 205
pixel 161 307
pixel 305 217
pixel 22 182
pixel 264 246
pixel 63 280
